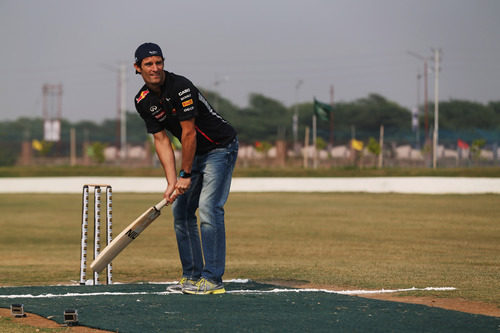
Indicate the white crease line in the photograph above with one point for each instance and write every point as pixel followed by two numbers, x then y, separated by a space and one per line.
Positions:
pixel 273 291
pixel 387 291
pixel 81 294
pixel 342 292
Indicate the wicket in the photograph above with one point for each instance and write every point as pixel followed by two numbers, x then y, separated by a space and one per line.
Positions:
pixel 97 230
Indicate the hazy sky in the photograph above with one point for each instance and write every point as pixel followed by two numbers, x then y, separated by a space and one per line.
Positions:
pixel 359 46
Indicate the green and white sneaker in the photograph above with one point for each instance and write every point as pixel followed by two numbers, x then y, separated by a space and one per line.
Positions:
pixel 205 287
pixel 184 282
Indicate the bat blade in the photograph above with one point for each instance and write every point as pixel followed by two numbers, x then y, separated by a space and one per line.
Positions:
pixel 131 232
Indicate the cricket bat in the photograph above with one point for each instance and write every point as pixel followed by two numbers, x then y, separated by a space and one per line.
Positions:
pixel 130 233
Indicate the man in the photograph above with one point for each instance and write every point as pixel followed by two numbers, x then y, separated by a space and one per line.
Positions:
pixel 169 102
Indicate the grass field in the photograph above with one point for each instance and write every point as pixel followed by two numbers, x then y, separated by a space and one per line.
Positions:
pixel 116 171
pixel 344 240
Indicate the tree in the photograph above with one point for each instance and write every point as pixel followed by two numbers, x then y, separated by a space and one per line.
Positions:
pixel 262 119
pixel 495 106
pixel 459 115
pixel 373 146
pixel 96 152
pixel 476 147
pixel 266 119
pixel 223 106
pixel 365 115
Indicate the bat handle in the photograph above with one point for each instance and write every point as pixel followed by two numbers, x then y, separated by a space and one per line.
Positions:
pixel 163 203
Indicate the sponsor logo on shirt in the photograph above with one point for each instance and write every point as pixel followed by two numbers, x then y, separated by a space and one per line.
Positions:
pixel 184 91
pixel 160 115
pixel 157 112
pixel 187 103
pixel 143 95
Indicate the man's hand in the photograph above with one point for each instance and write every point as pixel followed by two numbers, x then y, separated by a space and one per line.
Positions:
pixel 182 185
pixel 170 194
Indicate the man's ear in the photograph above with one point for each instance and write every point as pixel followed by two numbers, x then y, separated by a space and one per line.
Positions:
pixel 137 69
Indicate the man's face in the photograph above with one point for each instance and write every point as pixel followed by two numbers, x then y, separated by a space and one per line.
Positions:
pixel 151 70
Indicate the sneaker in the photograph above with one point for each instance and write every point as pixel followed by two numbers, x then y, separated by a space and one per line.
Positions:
pixel 205 287
pixel 184 282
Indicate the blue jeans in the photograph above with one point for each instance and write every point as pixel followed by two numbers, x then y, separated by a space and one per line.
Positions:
pixel 210 183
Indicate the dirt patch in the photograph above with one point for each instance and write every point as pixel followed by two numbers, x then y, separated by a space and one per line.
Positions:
pixel 457 304
pixel 40 322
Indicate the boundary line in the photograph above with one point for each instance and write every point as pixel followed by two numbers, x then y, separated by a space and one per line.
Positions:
pixel 420 185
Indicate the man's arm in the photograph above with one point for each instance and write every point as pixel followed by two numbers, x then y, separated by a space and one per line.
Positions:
pixel 166 155
pixel 188 141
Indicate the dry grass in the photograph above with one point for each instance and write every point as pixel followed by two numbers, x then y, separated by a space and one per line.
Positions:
pixel 346 240
pixel 240 171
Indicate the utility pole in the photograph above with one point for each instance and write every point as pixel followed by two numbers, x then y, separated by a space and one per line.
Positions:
pixel 417 112
pixel 426 99
pixel 216 94
pixel 123 110
pixel 436 106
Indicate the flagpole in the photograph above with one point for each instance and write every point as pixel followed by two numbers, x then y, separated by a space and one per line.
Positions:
pixel 315 152
pixel 306 148
pixel 330 145
pixel 325 112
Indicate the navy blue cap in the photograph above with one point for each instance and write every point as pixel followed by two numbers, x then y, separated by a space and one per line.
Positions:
pixel 147 50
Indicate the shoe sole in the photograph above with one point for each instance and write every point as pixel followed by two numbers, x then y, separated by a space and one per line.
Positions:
pixel 210 292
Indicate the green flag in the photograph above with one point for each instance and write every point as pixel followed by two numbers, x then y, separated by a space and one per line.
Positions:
pixel 322 110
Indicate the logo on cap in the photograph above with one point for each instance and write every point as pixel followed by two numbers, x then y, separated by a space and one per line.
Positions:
pixel 147 50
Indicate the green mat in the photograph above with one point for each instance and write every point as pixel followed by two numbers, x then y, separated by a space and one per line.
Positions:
pixel 247 307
